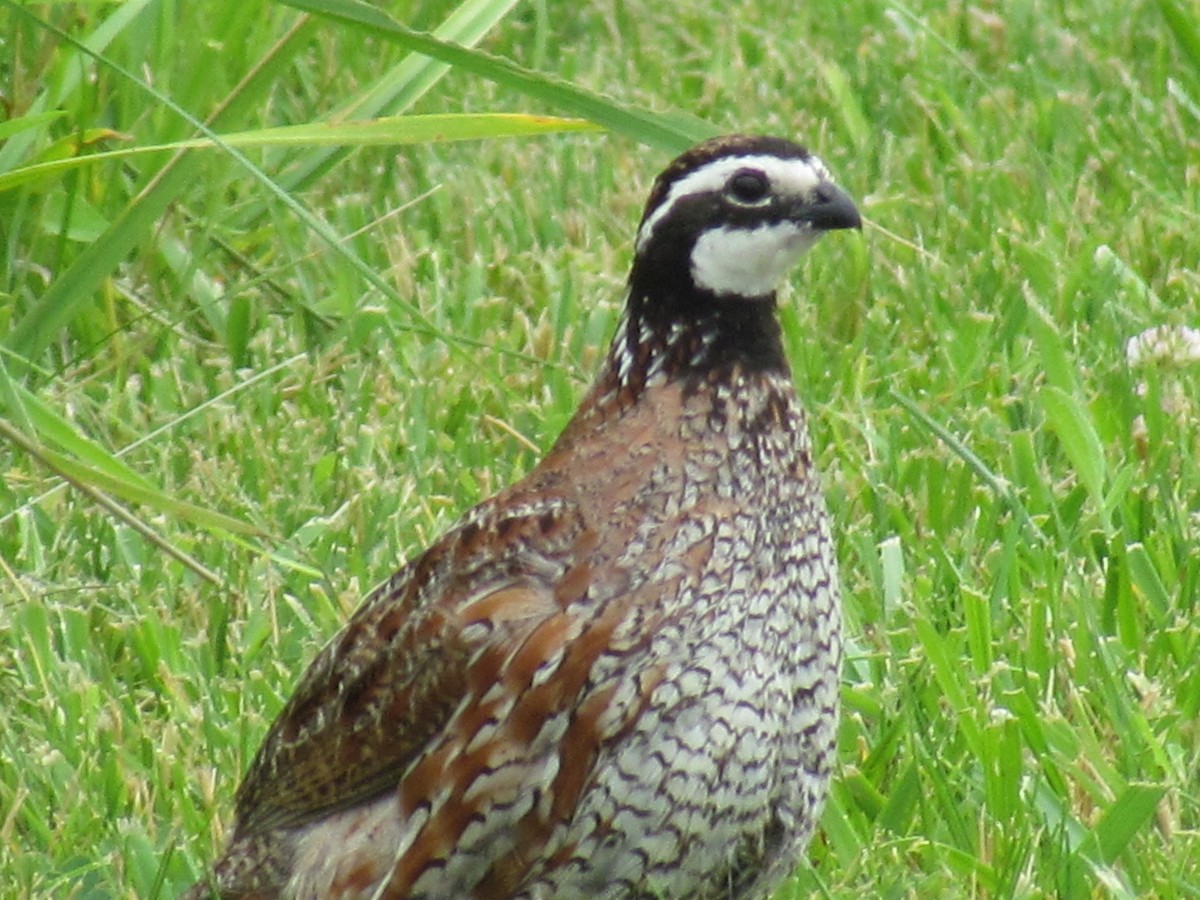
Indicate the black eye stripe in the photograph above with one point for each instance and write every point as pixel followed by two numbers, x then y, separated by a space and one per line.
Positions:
pixel 748 186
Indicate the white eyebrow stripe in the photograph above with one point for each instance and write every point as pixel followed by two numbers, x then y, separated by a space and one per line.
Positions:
pixel 788 176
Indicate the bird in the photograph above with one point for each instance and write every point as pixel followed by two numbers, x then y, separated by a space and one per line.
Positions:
pixel 619 676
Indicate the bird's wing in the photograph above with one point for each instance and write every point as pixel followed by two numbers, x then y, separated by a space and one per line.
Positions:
pixel 412 655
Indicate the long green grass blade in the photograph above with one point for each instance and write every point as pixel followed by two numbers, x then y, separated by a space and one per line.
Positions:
pixel 1129 814
pixel 668 133
pixel 397 89
pixel 392 131
pixel 1069 419
pixel 68 75
pixel 133 488
pixel 77 284
pixel 1184 22
pixel 37 418
pixel 997 484
pixel 26 123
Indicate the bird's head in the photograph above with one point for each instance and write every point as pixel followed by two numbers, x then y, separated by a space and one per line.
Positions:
pixel 734 214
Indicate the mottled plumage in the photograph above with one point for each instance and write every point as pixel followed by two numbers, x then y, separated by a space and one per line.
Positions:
pixel 618 677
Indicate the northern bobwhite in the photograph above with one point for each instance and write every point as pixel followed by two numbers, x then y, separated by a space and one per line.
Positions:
pixel 618 677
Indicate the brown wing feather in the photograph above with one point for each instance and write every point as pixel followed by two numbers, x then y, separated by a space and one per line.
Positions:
pixel 394 675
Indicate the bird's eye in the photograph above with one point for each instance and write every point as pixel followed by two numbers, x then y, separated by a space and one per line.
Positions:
pixel 748 187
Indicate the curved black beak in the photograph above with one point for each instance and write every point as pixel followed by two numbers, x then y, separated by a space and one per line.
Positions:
pixel 829 209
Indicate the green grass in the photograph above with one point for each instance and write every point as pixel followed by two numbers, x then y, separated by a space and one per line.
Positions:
pixel 258 424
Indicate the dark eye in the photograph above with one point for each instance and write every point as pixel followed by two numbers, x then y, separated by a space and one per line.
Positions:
pixel 748 186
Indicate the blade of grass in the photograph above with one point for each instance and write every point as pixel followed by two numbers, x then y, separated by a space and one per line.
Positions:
pixel 1001 487
pixel 1185 30
pixel 398 89
pixel 1129 814
pixel 671 133
pixel 1069 420
pixel 27 424
pixel 36 330
pixel 1051 347
pixel 391 131
pixel 135 491
pixel 78 283
pixel 70 73
pixel 24 123
pixel 38 418
pixel 942 657
pixel 1145 578
pixel 85 480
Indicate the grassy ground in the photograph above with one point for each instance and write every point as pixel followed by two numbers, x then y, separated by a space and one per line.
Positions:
pixel 1016 501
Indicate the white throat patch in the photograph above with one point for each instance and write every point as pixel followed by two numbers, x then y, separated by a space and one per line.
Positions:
pixel 749 262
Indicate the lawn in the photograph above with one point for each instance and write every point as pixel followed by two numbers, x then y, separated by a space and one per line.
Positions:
pixel 240 384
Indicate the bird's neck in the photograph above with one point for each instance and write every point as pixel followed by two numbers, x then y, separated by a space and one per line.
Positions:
pixel 692 336
pixel 723 358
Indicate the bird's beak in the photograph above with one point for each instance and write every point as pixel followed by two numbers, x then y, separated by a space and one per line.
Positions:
pixel 830 209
